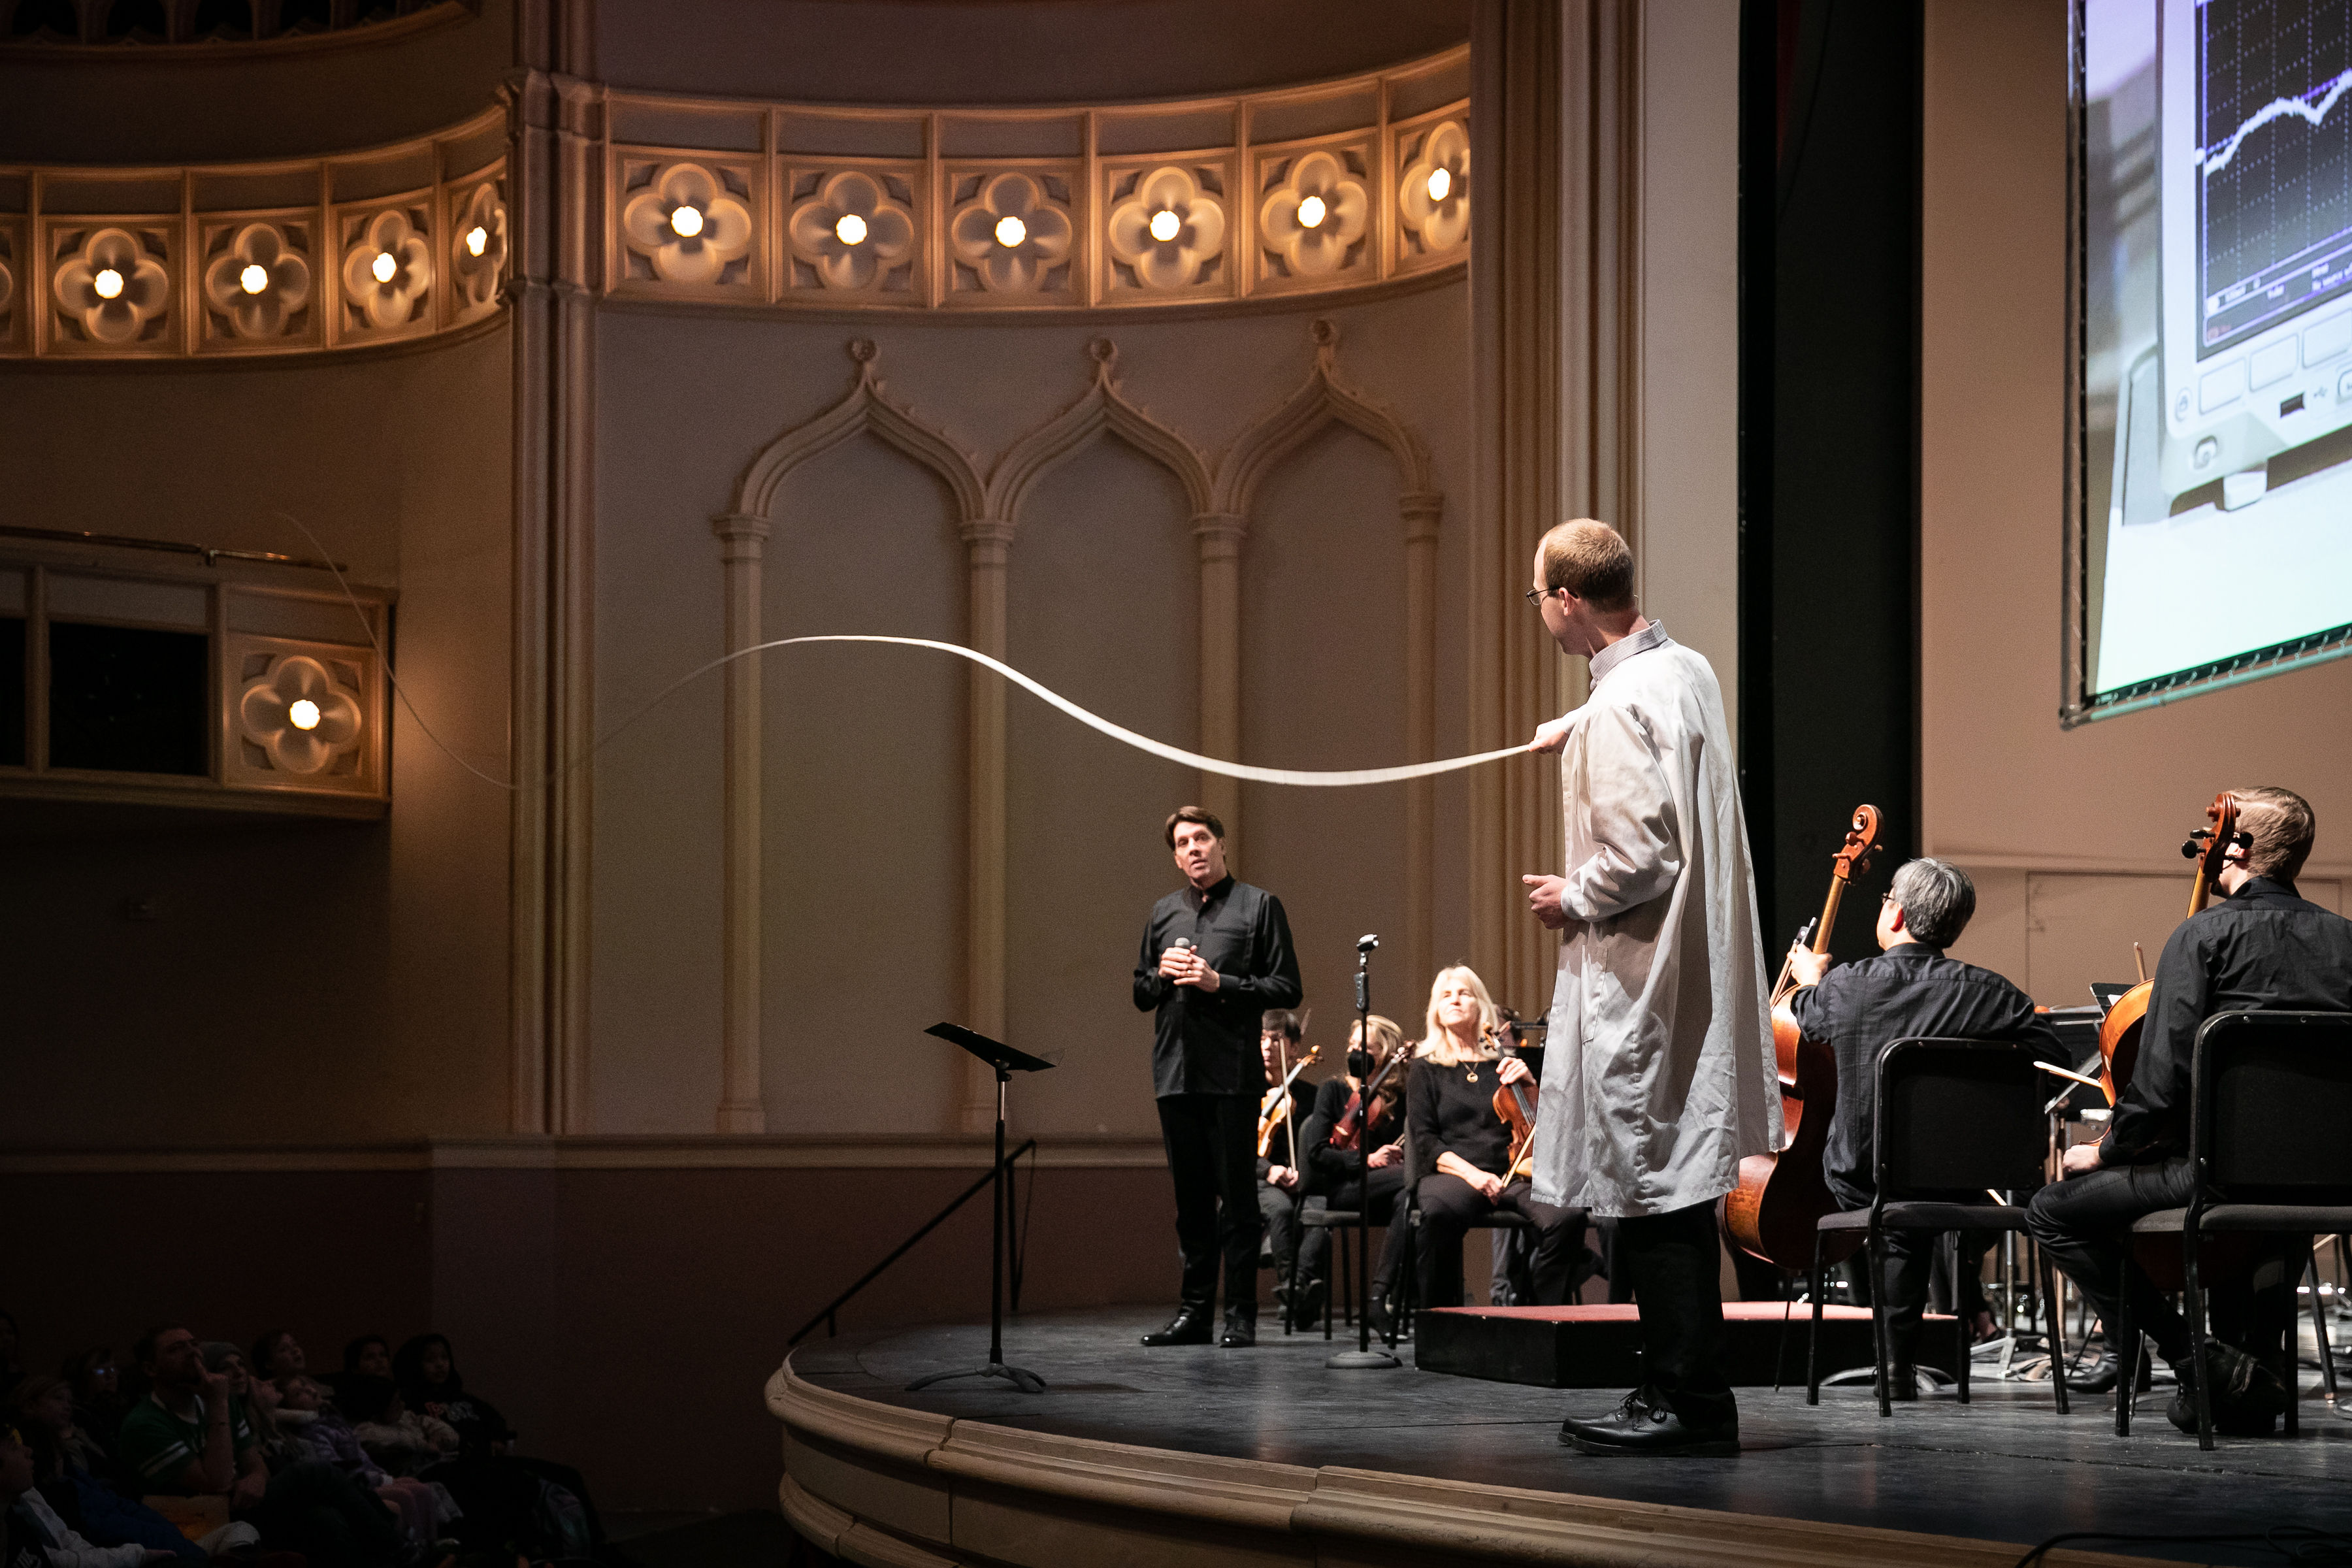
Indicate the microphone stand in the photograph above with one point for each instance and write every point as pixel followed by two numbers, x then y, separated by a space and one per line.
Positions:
pixel 1364 1358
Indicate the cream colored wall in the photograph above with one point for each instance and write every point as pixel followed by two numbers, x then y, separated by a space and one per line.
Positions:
pixel 864 831
pixel 1688 498
pixel 304 982
pixel 2073 836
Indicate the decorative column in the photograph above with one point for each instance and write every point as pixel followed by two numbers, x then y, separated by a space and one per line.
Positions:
pixel 987 542
pixel 1220 535
pixel 1420 511
pixel 740 1109
pixel 554 129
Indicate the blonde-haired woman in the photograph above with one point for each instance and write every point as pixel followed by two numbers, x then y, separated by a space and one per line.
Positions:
pixel 1463 1149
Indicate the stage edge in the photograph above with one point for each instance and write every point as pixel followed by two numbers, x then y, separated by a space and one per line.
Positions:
pixel 876 1484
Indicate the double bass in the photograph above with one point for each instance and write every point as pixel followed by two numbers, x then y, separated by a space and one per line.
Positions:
pixel 2119 1031
pixel 1774 1211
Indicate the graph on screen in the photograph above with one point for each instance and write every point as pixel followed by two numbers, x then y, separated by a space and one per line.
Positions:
pixel 2214 169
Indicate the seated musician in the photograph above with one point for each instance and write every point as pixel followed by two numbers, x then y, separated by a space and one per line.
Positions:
pixel 2263 946
pixel 1450 1106
pixel 1332 1164
pixel 1909 991
pixel 1281 1182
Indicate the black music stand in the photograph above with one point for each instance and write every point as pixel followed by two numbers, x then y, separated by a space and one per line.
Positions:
pixel 1006 1061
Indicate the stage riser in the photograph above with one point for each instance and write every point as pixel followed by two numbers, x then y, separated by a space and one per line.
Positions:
pixel 1591 1352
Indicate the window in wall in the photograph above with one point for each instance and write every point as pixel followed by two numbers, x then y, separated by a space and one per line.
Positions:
pixel 128 699
pixel 11 692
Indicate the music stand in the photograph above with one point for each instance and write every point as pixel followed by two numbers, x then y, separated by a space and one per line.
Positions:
pixel 1006 1061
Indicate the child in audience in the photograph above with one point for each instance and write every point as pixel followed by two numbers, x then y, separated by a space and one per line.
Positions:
pixel 79 1483
pixel 401 1440
pixel 321 1429
pixel 278 1355
pixel 427 1375
pixel 35 1526
pixel 98 1400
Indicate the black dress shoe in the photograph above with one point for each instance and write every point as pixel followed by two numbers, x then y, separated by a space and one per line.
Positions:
pixel 1307 1310
pixel 1644 1424
pixel 1190 1326
pixel 2099 1377
pixel 1241 1327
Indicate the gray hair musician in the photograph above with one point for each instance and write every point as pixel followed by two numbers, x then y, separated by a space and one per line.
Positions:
pixel 1911 990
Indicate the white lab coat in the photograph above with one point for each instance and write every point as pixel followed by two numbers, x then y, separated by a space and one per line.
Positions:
pixel 1658 1069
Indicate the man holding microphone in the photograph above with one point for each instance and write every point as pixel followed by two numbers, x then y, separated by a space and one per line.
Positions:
pixel 1217 956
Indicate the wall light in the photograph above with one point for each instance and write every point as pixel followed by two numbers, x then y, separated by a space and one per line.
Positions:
pixel 849 228
pixel 686 221
pixel 1440 181
pixel 1010 231
pixel 1164 225
pixel 108 284
pixel 254 278
pixel 383 267
pixel 477 240
pixel 1312 212
pixel 302 713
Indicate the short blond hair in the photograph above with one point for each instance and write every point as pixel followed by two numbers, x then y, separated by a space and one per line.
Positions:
pixel 1591 560
pixel 1436 1045
pixel 2282 825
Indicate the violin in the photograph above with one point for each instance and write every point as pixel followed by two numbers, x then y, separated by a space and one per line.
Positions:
pixel 1383 1091
pixel 1515 1103
pixel 1274 1108
pixel 1775 1209
pixel 2119 1031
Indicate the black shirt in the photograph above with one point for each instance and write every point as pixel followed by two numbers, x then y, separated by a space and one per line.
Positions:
pixel 1910 991
pixel 1330 1169
pixel 1206 1042
pixel 1453 1108
pixel 2261 947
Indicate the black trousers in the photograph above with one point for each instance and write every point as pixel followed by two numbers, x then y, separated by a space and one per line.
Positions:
pixel 1211 1141
pixel 1279 1212
pixel 1671 1262
pixel 1902 1284
pixel 2082 1224
pixel 1388 1182
pixel 328 1515
pixel 1450 1206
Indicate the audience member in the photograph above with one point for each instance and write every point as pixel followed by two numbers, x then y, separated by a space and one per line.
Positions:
pixel 319 1428
pixel 36 1533
pixel 80 1483
pixel 278 1355
pixel 190 1438
pixel 98 1400
pixel 401 1440
pixel 427 1373
pixel 370 1356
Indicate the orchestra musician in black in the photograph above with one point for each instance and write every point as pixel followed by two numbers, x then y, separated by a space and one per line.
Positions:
pixel 2264 946
pixel 1216 954
pixel 1331 1147
pixel 1910 991
pixel 1281 1178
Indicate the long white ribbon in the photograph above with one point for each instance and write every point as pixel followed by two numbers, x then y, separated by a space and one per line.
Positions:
pixel 1341 779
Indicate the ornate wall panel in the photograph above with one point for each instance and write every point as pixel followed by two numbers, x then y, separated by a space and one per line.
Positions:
pixel 1061 207
pixel 392 244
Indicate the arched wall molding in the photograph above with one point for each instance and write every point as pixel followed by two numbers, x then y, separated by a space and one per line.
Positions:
pixel 988 515
pixel 399 244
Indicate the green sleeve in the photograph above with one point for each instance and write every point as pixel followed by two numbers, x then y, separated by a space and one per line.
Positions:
pixel 152 1447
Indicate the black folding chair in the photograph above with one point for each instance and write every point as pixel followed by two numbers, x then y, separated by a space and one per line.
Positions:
pixel 2270 1098
pixel 1952 1118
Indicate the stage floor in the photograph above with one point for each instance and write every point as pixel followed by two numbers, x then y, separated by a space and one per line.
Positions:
pixel 2005 1468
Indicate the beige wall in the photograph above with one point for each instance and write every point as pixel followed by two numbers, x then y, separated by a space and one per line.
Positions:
pixel 865 826
pixel 2073 835
pixel 303 981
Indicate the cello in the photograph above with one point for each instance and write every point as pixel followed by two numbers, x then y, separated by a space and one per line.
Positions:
pixel 1772 1214
pixel 2119 1031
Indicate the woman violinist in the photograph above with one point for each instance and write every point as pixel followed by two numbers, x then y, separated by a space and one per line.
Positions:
pixel 1462 1148
pixel 1330 1147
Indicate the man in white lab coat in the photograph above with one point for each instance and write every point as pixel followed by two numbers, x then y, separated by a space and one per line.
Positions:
pixel 1658 1072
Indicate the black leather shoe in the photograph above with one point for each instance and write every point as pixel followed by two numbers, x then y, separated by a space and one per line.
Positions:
pixel 1905 1389
pixel 1644 1424
pixel 1241 1327
pixel 2099 1377
pixel 1190 1326
pixel 1307 1310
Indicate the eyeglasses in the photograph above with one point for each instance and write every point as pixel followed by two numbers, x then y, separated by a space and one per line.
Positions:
pixel 1536 598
